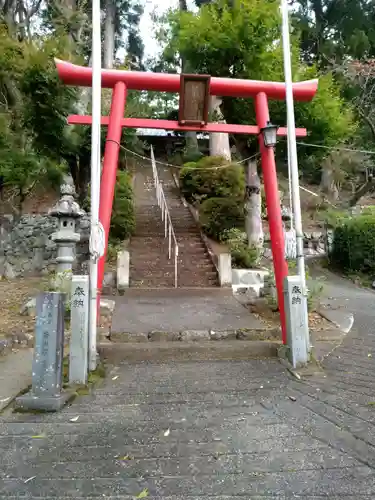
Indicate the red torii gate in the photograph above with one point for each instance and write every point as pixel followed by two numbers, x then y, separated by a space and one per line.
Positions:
pixel 121 81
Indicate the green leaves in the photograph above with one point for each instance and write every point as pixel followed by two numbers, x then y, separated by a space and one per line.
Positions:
pixel 227 41
pixel 143 494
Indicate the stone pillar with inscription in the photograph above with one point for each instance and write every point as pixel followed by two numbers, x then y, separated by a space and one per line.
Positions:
pixel 298 338
pixel 79 322
pixel 47 371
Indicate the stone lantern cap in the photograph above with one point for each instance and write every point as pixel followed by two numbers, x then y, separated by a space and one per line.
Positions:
pixel 67 206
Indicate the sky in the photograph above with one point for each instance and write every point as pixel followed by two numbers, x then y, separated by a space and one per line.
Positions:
pixel 146 26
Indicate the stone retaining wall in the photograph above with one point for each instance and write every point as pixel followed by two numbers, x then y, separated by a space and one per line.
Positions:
pixel 26 246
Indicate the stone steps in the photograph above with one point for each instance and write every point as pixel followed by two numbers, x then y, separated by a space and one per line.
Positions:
pixel 149 263
pixel 158 352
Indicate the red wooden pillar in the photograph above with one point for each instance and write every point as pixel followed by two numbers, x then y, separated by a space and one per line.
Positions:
pixel 110 162
pixel 273 207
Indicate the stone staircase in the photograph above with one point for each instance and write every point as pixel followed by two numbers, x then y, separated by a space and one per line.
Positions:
pixel 149 263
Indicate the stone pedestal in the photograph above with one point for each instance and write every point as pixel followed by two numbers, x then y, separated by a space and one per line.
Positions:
pixel 46 393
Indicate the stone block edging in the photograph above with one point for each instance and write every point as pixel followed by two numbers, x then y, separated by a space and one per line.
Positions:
pixel 266 335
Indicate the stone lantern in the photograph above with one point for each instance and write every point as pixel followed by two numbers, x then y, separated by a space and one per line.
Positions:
pixel 67 211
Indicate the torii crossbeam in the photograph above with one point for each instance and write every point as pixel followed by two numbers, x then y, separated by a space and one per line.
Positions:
pixel 121 81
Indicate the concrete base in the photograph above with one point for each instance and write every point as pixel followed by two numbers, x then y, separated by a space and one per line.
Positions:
pixel 123 270
pixel 225 269
pixel 41 403
pixel 248 279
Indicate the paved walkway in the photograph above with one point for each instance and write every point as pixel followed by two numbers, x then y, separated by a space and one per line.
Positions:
pixel 208 430
pixel 175 310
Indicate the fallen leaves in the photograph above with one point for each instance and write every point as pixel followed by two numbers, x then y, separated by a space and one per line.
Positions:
pixel 13 294
pixel 143 494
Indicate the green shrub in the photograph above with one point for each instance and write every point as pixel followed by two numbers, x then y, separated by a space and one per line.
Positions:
pixel 354 244
pixel 201 180
pixel 123 217
pixel 219 214
pixel 193 156
pixel 243 256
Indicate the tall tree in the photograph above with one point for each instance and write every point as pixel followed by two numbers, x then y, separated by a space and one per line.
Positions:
pixel 334 29
pixel 241 39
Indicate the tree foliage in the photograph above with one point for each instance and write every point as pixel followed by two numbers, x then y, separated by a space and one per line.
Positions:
pixel 241 39
pixel 332 30
pixel 36 144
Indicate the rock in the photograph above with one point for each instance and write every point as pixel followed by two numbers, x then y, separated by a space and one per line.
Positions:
pixel 5 346
pixel 29 308
pixel 247 295
pixel 23 338
pixel 164 336
pixel 223 335
pixel 128 337
pixel 195 335
pixel 267 254
pixel 286 213
pixel 9 272
pixel 26 243
pixel 109 279
pixel 106 307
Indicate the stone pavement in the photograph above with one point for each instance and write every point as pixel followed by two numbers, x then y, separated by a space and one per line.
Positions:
pixel 208 430
pixel 175 310
pixel 218 430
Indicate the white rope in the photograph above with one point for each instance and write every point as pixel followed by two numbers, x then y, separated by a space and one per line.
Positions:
pixel 97 241
pixel 339 148
pixel 226 165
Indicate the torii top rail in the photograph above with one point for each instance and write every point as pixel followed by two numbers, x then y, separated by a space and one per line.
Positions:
pixel 121 81
pixel 71 74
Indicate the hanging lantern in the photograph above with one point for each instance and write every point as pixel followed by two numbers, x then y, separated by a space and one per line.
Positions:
pixel 269 135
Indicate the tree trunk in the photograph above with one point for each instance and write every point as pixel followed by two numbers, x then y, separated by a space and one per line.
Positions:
pixel 362 191
pixel 253 207
pixel 328 184
pixel 219 143
pixel 191 142
pixel 109 34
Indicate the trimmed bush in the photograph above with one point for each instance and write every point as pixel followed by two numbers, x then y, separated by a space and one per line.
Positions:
pixel 354 244
pixel 219 214
pixel 201 180
pixel 123 217
pixel 243 256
